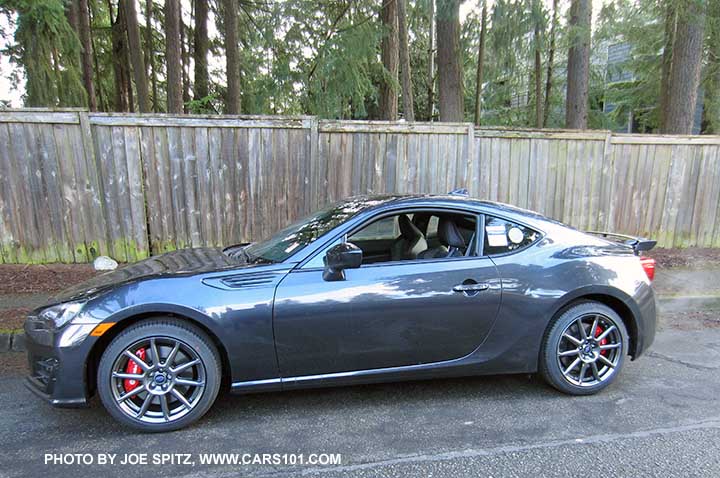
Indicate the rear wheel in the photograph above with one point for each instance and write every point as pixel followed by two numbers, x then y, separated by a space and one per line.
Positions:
pixel 584 349
pixel 159 375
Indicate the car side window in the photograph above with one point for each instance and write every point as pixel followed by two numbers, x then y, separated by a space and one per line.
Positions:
pixel 503 236
pixel 384 229
pixel 410 236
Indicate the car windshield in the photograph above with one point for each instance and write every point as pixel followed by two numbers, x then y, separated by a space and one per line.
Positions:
pixel 288 241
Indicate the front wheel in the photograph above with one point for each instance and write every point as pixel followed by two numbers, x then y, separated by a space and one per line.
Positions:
pixel 584 349
pixel 159 375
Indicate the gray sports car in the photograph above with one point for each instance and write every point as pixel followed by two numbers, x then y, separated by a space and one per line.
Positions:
pixel 370 289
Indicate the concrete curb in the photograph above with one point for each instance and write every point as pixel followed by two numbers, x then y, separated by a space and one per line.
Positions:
pixel 13 341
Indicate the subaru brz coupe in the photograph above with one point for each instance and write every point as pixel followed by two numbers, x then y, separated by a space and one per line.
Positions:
pixel 371 289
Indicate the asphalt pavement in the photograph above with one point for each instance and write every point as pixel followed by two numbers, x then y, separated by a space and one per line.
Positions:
pixel 661 418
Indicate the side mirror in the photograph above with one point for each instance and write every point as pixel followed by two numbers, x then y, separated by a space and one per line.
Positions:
pixel 340 257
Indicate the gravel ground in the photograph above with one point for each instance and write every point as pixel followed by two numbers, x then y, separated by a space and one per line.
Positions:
pixel 689 257
pixel 12 319
pixel 33 279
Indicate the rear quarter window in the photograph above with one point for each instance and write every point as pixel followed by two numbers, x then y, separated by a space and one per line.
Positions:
pixel 503 236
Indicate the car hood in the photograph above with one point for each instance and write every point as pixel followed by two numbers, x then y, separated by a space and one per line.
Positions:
pixel 183 262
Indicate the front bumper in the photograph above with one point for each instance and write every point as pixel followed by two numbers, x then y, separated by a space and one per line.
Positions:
pixel 58 374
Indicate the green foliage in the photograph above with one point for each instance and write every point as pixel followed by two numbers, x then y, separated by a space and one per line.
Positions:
pixel 640 24
pixel 206 105
pixel 321 57
pixel 49 51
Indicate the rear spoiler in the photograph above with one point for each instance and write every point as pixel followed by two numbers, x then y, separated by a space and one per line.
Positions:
pixel 638 244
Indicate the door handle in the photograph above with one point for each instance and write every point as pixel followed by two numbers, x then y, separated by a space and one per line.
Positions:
pixel 471 287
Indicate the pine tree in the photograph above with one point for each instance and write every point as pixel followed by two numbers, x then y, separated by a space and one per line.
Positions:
pixel 200 50
pixel 480 70
pixel 450 74
pixel 48 50
pixel 135 52
pixel 578 76
pixel 407 87
pixel 550 60
pixel 84 33
pixel 232 53
pixel 687 54
pixel 173 57
pixel 389 53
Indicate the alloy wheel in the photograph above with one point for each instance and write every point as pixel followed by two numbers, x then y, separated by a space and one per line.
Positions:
pixel 589 350
pixel 158 380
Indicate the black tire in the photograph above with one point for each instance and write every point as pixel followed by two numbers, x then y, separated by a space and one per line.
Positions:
pixel 551 360
pixel 189 338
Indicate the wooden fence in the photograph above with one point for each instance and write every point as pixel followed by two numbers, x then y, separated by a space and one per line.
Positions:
pixel 75 185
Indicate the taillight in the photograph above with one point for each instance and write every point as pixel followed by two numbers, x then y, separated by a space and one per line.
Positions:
pixel 648 265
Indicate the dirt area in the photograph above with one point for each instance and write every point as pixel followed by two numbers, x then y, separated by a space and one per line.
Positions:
pixel 690 257
pixel 12 319
pixel 691 320
pixel 27 279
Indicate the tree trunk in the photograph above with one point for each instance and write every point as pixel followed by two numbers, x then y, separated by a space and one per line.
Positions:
pixel 185 55
pixel 479 73
pixel 87 52
pixel 232 55
pixel 449 61
pixel 551 58
pixel 431 62
pixel 123 91
pixel 101 98
pixel 670 25
pixel 407 88
pixel 173 57
pixel 687 56
pixel 577 103
pixel 136 55
pixel 200 51
pixel 150 52
pixel 389 54
pixel 711 105
pixel 71 13
pixel 538 69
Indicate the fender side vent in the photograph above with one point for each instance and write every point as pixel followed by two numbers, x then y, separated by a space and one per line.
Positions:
pixel 245 281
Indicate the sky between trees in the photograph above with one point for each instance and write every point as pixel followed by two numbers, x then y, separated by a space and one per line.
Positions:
pixel 523 63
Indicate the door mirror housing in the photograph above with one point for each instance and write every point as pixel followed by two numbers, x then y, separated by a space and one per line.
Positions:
pixel 340 257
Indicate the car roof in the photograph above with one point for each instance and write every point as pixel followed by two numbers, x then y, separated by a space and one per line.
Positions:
pixel 381 201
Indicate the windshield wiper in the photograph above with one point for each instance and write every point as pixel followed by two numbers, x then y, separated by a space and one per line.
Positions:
pixel 237 252
pixel 259 260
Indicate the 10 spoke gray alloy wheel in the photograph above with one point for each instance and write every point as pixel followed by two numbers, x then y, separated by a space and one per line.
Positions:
pixel 159 375
pixel 584 349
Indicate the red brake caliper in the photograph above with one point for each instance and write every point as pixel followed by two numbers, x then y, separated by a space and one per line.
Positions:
pixel 604 341
pixel 132 367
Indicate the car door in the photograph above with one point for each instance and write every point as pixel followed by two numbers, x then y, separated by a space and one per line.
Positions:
pixel 385 314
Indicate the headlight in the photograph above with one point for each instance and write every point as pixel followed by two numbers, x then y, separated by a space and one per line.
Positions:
pixel 61 314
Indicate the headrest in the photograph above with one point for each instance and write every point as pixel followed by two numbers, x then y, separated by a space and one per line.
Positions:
pixel 449 234
pixel 408 230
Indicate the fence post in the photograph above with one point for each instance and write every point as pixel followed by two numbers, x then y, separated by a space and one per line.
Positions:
pixel 314 170
pixel 470 160
pixel 98 246
pixel 606 219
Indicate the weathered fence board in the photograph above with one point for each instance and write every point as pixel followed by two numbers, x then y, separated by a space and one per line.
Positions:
pixel 75 185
